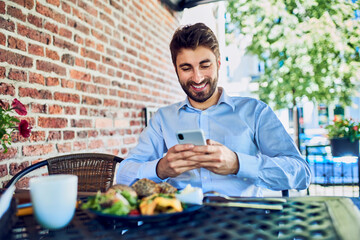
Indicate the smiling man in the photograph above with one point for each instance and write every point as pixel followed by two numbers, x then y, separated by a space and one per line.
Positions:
pixel 247 148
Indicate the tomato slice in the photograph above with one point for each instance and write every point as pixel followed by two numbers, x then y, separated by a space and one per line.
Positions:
pixel 134 212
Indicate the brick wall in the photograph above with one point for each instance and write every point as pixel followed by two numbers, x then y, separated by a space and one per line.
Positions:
pixel 84 69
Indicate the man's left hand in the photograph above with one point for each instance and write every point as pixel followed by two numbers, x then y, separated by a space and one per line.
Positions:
pixel 217 158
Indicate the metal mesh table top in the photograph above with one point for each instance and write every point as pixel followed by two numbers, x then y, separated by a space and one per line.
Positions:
pixel 301 218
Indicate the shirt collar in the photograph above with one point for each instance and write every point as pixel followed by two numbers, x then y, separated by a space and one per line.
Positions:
pixel 224 98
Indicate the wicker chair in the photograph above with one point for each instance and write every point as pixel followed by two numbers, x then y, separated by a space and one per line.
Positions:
pixel 95 171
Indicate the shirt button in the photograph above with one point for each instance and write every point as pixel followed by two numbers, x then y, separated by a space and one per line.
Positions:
pixel 245 179
pixel 204 178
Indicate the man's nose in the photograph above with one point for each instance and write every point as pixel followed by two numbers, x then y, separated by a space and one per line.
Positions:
pixel 198 76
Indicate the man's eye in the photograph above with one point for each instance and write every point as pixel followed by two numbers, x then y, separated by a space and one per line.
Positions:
pixel 205 66
pixel 185 69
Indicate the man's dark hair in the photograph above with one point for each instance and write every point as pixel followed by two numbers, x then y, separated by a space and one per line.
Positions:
pixel 191 37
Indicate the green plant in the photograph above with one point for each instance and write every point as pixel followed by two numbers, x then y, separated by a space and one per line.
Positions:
pixel 310 48
pixel 9 123
pixel 344 128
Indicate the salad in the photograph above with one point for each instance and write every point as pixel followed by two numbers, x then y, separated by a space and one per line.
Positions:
pixel 122 200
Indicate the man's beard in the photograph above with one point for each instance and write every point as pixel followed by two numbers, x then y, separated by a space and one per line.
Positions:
pixel 200 97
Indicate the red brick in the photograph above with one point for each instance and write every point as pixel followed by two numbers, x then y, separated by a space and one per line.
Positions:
pixel 81 123
pixel 2 39
pixel 80 62
pixel 34 93
pixel 50 67
pixel 55 109
pixel 65 7
pixel 11 153
pixel 111 102
pixel 37 150
pixel 83 111
pixel 47 122
pixel 107 19
pixel 29 4
pixel 65 33
pixel 94 144
pixel 38 108
pixel 15 167
pixel 2 72
pixel 79 146
pixel 88 8
pixel 3 170
pixel 68 59
pixel 7 24
pixel 16 13
pixel 51 27
pixel 37 136
pixel 70 110
pixel 52 81
pixel 18 75
pixel 109 61
pixel 113 143
pixel 67 97
pixel 54 135
pixel 79 39
pixel 82 134
pixel 90 54
pixel 33 34
pixel 15 59
pixel 63 147
pixel 7 89
pixel 2 7
pixel 99 36
pixel 38 22
pixel 92 133
pixel 90 65
pixel 67 83
pixel 80 75
pixel 54 2
pixel 78 26
pixel 64 44
pixel 36 78
pixel 68 135
pixel 52 54
pixel 51 13
pixel 16 43
pixel 36 49
pixel 90 100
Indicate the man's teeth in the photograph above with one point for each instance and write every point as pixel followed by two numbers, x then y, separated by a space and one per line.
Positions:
pixel 201 86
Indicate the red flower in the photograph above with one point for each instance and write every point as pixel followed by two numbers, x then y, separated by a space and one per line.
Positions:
pixel 24 129
pixel 19 107
pixel 356 128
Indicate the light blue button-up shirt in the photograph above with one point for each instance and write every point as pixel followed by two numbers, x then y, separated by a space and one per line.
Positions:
pixel 268 157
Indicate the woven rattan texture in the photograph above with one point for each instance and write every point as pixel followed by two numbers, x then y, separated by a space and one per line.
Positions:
pixel 95 171
pixel 298 220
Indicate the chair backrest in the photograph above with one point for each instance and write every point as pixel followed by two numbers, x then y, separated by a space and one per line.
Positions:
pixel 95 171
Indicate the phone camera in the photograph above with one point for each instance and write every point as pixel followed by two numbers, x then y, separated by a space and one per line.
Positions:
pixel 181 137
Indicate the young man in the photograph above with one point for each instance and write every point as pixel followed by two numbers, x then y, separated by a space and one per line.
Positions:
pixel 247 148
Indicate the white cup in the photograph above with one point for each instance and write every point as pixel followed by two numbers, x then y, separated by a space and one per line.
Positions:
pixel 54 199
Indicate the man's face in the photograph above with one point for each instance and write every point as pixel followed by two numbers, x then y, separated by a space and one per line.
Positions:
pixel 197 71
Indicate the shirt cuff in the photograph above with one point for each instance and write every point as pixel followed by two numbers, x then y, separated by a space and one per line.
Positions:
pixel 148 170
pixel 248 166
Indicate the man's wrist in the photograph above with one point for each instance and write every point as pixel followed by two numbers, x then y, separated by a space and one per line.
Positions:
pixel 158 170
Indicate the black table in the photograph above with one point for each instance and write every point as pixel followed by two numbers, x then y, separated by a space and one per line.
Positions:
pixel 301 218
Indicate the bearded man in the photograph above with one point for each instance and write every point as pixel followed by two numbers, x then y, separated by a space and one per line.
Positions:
pixel 247 150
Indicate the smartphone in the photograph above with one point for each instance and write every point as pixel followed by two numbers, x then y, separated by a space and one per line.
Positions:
pixel 196 137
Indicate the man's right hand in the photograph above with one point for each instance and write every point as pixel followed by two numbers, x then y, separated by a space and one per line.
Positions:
pixel 174 162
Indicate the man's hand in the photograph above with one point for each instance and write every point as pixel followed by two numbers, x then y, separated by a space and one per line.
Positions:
pixel 216 157
pixel 176 161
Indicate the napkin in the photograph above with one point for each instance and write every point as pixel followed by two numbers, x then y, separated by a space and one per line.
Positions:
pixel 5 200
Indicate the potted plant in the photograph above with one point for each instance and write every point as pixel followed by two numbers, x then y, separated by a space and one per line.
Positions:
pixel 344 135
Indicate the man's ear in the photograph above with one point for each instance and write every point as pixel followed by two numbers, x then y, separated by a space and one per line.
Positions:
pixel 219 62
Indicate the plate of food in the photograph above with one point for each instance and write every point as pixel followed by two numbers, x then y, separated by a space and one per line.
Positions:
pixel 144 201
